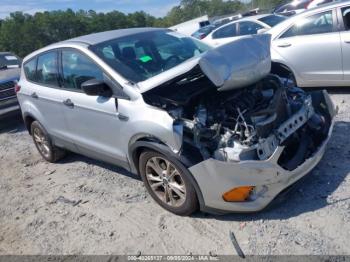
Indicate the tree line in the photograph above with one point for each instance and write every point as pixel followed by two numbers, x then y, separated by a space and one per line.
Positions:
pixel 23 33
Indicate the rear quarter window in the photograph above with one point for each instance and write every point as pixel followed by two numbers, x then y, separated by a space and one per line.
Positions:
pixel 30 69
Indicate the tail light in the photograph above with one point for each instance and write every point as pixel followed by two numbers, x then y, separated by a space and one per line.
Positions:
pixel 17 87
pixel 202 36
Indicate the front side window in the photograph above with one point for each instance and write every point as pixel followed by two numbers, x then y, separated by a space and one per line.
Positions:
pixel 317 24
pixel 141 56
pixel 47 69
pixel 346 17
pixel 226 31
pixel 249 28
pixel 78 68
pixel 30 69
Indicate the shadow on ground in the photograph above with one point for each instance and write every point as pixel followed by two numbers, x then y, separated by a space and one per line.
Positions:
pixel 11 124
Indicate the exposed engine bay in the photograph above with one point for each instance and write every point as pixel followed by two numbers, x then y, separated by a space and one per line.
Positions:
pixel 247 123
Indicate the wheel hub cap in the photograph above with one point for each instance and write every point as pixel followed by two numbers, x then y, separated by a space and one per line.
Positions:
pixel 166 181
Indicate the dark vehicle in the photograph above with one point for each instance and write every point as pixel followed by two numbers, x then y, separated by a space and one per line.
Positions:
pixel 203 32
pixel 9 75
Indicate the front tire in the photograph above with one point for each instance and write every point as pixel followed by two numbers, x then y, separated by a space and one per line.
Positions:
pixel 44 144
pixel 168 183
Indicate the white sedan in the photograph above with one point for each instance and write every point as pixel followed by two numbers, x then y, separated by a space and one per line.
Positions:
pixel 245 26
pixel 313 48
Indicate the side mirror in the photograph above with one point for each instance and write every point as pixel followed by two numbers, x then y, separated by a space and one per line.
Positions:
pixel 96 87
pixel 262 30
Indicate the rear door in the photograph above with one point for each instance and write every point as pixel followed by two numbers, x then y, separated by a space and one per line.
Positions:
pixel 344 19
pixel 42 89
pixel 311 47
pixel 93 121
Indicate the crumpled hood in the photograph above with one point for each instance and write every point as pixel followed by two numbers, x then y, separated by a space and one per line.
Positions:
pixel 9 74
pixel 239 63
pixel 231 66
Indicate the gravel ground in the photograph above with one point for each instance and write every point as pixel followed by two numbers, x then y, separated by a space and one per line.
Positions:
pixel 82 206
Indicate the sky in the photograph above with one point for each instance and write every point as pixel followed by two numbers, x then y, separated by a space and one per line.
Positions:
pixel 156 8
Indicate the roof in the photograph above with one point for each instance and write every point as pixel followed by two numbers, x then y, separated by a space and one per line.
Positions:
pixel 96 38
pixel 335 3
pixel 253 17
pixel 276 30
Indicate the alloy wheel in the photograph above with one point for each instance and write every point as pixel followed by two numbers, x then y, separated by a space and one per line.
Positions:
pixel 166 181
pixel 42 142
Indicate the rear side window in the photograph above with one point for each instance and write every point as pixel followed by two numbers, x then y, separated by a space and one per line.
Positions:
pixel 47 69
pixel 30 69
pixel 226 31
pixel 249 28
pixel 77 69
pixel 317 24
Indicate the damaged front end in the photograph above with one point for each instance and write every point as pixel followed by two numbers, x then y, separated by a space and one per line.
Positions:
pixel 244 132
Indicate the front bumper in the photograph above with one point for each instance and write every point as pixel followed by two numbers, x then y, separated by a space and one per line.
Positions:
pixel 215 177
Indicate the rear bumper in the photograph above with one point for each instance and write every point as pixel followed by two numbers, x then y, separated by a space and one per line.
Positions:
pixel 215 177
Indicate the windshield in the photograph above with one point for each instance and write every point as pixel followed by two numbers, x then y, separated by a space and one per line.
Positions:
pixel 273 20
pixel 8 60
pixel 142 56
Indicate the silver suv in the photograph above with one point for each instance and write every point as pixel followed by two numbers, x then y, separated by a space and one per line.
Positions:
pixel 204 128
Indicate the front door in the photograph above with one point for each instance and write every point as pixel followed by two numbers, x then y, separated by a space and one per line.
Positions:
pixel 92 120
pixel 311 47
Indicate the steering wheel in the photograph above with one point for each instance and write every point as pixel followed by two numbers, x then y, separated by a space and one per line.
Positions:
pixel 171 61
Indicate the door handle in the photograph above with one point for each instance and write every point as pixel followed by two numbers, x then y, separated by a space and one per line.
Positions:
pixel 347 41
pixel 285 45
pixel 34 95
pixel 68 103
pixel 122 117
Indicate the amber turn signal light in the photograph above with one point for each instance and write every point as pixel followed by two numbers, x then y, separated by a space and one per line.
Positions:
pixel 238 194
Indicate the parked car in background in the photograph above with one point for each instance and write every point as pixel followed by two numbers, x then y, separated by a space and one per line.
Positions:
pixel 313 47
pixel 292 7
pixel 246 26
pixel 9 75
pixel 317 3
pixel 191 26
pixel 204 128
pixel 203 32
pixel 224 20
pixel 298 6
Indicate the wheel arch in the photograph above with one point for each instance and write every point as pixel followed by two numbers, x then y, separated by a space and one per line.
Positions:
pixel 155 144
pixel 28 120
pixel 282 70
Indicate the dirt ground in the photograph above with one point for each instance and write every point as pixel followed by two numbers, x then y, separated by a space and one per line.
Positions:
pixel 82 206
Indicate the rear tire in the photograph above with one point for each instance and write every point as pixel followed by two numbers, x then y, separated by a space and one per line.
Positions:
pixel 44 144
pixel 168 183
